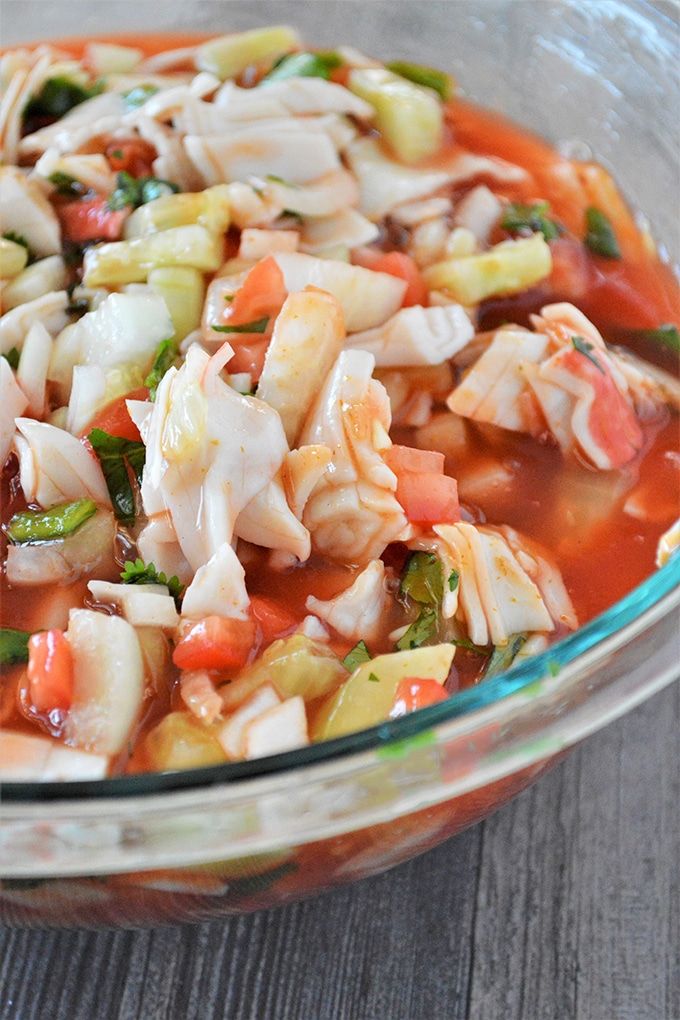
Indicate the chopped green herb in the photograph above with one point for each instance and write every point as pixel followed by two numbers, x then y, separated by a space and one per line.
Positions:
pixel 118 154
pixel 229 298
pixel 117 457
pixel 668 335
pixel 454 578
pixel 139 572
pixel 304 65
pixel 64 184
pixel 373 678
pixel 356 656
pixel 585 348
pixel 423 629
pixel 13 646
pixel 166 353
pixel 29 526
pixel 136 191
pixel 529 219
pixel 470 646
pixel 422 579
pixel 600 236
pixel 503 656
pixel 13 357
pixel 430 77
pixel 279 180
pixel 554 668
pixel 139 95
pixel 257 326
pixel 11 235
pixel 59 95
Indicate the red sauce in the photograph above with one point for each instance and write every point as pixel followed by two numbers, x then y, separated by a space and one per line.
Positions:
pixel 602 550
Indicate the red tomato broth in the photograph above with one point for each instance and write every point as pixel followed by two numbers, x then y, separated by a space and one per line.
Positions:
pixel 635 293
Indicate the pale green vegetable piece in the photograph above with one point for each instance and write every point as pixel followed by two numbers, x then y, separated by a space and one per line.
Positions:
pixel 13 258
pixel 229 55
pixel 409 117
pixel 183 290
pixel 34 281
pixel 180 741
pixel 367 697
pixel 109 265
pixel 507 268
pixel 297 665
pixel 108 58
pixel 209 208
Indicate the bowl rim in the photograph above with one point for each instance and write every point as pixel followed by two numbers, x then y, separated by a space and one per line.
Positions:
pixel 617 624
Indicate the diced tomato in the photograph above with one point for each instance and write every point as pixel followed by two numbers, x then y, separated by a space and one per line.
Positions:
pixel 115 417
pixel 414 693
pixel 274 619
pixel 134 156
pixel 50 671
pixel 90 220
pixel 405 458
pixel 215 643
pixel 428 497
pixel 396 263
pixel 261 294
pixel 573 273
pixel 249 357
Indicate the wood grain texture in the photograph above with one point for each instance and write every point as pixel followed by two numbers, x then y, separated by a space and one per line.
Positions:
pixel 563 906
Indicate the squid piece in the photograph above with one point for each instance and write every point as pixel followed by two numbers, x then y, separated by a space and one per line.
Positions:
pixel 298 96
pixel 218 588
pixel 33 365
pixel 100 115
pixel 210 451
pixel 417 336
pixel 91 169
pixel 256 244
pixel 55 467
pixel 296 155
pixel 50 310
pixel 323 197
pixel 13 402
pixel 353 512
pixel 157 543
pixel 367 298
pixel 496 596
pixel 545 575
pixel 268 521
pixel 308 336
pixel 108 681
pixel 357 611
pixel 347 228
pixel 494 390
pixel 302 469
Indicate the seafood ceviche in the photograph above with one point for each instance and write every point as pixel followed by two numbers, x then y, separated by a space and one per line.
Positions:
pixel 323 394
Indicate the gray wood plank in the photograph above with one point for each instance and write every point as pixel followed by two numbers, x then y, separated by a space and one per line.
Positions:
pixel 562 906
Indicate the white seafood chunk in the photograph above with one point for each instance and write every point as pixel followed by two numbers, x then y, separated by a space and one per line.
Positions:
pixel 50 310
pixel 417 336
pixel 218 588
pixel 33 365
pixel 357 611
pixel 347 227
pixel 13 402
pixel 25 758
pixel 268 521
pixel 55 467
pixel 353 513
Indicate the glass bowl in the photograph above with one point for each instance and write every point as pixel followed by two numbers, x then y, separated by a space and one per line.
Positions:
pixel 186 846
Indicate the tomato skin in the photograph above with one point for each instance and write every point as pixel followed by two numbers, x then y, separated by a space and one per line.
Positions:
pixel 249 357
pixel 414 693
pixel 428 498
pixel 215 642
pixel 115 417
pixel 406 458
pixel 134 156
pixel 395 263
pixel 50 671
pixel 273 619
pixel 262 293
pixel 91 220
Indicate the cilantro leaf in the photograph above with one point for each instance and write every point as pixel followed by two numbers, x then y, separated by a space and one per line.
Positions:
pixel 668 335
pixel 13 357
pixel 422 579
pixel 118 457
pixel 469 646
pixel 585 348
pixel 519 218
pixel 256 326
pixel 356 656
pixel 13 646
pixel 166 353
pixel 139 572
pixel 57 96
pixel 423 629
pixel 373 678
pixel 600 237
pixel 454 578
pixel 136 191
pixel 139 95
pixel 503 656
pixel 64 184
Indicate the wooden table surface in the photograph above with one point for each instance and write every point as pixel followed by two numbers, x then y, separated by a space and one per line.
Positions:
pixel 565 905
